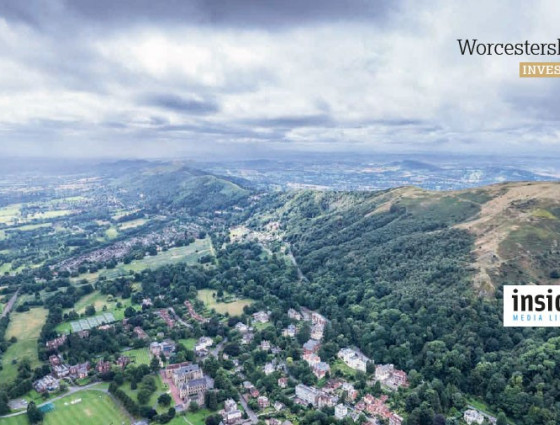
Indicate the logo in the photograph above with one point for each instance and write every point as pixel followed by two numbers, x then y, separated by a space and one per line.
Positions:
pixel 531 305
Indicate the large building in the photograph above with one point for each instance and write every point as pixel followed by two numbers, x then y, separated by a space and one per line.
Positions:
pixel 308 395
pixel 353 359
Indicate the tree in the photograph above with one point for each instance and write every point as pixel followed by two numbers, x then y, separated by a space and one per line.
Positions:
pixel 129 312
pixel 90 310
pixel 144 396
pixel 211 400
pixel 164 399
pixel 154 364
pixel 193 406
pixel 33 413
pixel 501 420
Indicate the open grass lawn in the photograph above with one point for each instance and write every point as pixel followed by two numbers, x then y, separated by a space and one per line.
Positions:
pixel 94 408
pixel 196 418
pixel 51 214
pixel 133 223
pixel 234 308
pixel 189 343
pixel 340 365
pixel 111 233
pixel 26 327
pixel 99 300
pixel 9 213
pixel 187 254
pixel 139 355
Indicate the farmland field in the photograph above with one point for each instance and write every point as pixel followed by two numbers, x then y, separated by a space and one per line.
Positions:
pixel 26 327
pixel 233 308
pixel 90 408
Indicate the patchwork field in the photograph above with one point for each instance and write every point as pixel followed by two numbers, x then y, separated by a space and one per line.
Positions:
pixel 85 408
pixel 233 308
pixel 26 327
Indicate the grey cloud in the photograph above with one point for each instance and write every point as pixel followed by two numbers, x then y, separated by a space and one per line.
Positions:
pixel 183 104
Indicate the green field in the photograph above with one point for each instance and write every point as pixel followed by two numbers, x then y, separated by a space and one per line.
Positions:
pixel 187 254
pixel 189 343
pixel 99 300
pixel 139 355
pixel 196 418
pixel 26 327
pixel 10 213
pixel 95 407
pixel 133 223
pixel 233 308
pixel 111 233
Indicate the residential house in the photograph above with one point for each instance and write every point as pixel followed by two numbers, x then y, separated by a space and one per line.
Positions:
pixel 283 382
pixel 260 317
pixel 123 361
pixel 47 383
pixel 140 333
pixel 53 344
pixel 269 368
pixel 320 369
pixel 80 371
pixel 263 402
pixel 265 345
pixel 340 411
pixel 311 346
pixel 317 332
pixel 472 416
pixel 103 367
pixel 293 314
pixel 290 331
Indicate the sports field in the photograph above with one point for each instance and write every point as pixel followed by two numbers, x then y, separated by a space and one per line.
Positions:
pixel 233 308
pixel 88 407
pixel 26 327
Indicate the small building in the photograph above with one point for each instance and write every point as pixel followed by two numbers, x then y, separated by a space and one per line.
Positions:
pixel 103 367
pixel 47 383
pixel 265 345
pixel 263 402
pixel 283 382
pixel 269 368
pixel 311 347
pixel 123 361
pixel 472 416
pixel 80 371
pixel 293 314
pixel 260 317
pixel 320 369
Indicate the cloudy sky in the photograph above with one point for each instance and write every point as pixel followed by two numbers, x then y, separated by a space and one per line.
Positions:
pixel 255 77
